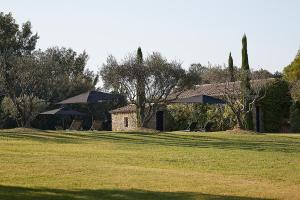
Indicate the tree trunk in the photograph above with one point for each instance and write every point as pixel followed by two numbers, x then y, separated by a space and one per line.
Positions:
pixel 239 124
pixel 27 124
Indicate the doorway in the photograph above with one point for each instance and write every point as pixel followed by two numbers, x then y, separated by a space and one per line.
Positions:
pixel 257 118
pixel 160 120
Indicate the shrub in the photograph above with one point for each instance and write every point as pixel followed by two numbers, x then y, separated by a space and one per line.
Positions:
pixel 295 118
pixel 181 115
pixel 31 106
pixel 276 105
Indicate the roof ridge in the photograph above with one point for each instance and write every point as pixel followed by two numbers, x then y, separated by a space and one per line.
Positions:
pixel 253 80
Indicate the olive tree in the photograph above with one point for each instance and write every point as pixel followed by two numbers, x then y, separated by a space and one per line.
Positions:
pixel 159 78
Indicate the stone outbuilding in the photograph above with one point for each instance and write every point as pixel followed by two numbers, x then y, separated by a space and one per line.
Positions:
pixel 125 119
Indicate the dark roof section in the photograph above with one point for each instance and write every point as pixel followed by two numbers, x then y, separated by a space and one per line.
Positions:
pixel 199 99
pixel 62 111
pixel 90 97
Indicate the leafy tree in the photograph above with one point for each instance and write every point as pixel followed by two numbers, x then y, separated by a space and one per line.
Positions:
pixel 295 117
pixel 292 74
pixel 16 47
pixel 160 77
pixel 197 71
pixel 292 71
pixel 231 68
pixel 30 105
pixel 29 78
pixel 295 107
pixel 211 74
pixel 64 73
pixel 261 74
pixel 295 91
pixel 215 74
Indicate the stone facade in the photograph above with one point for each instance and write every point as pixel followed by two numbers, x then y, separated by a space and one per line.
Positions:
pixel 127 121
pixel 118 121
pixel 119 124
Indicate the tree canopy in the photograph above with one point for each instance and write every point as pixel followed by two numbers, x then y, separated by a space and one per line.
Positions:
pixel 31 79
pixel 158 76
pixel 292 71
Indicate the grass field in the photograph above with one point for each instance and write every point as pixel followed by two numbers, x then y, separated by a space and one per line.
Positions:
pixel 179 166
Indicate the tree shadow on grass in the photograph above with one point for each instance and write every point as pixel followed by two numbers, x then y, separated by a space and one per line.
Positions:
pixel 257 143
pixel 41 136
pixel 24 193
pixel 204 141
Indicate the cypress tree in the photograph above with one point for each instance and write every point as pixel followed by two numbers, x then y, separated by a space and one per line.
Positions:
pixel 245 78
pixel 140 90
pixel 230 68
pixel 245 84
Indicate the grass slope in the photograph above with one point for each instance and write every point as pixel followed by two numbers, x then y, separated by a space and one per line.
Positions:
pixel 178 166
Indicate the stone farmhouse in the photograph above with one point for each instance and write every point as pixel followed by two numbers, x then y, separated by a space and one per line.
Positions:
pixel 124 118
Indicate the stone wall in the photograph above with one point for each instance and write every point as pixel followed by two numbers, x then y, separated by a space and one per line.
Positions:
pixel 152 123
pixel 118 122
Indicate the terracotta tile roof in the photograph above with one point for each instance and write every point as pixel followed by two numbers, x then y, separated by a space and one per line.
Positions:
pixel 125 109
pixel 217 89
pixel 214 90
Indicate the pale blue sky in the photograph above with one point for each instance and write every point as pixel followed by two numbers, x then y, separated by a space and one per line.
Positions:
pixel 186 30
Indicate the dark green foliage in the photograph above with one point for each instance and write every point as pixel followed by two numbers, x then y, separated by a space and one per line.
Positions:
pixel 231 68
pixel 245 76
pixel 245 63
pixel 181 115
pixel 295 118
pixel 276 105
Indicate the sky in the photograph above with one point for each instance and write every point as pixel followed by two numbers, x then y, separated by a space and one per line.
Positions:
pixel 189 31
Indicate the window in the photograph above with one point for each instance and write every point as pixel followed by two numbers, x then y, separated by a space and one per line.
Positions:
pixel 126 121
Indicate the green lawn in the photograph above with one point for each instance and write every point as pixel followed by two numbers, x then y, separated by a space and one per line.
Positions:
pixel 179 166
